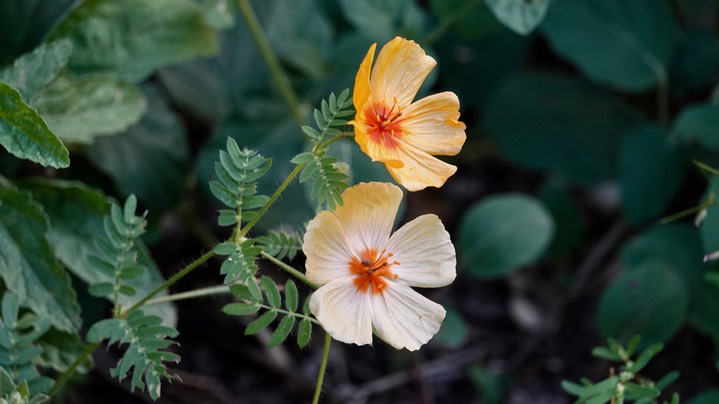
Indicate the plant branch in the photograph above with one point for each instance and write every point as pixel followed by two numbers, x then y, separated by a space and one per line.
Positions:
pixel 270 58
pixel 186 270
pixel 289 269
pixel 323 367
pixel 65 376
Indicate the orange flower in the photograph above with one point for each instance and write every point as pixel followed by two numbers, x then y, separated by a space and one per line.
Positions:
pixel 402 134
pixel 367 274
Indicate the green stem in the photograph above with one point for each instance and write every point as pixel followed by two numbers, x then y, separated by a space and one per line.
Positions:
pixel 186 270
pixel 289 269
pixel 323 366
pixel 447 22
pixel 706 168
pixel 191 294
pixel 62 380
pixel 269 203
pixel 270 58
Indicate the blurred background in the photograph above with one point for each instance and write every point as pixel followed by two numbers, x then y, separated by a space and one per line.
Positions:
pixel 592 128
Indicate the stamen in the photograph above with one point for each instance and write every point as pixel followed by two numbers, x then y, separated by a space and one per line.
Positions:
pixel 372 270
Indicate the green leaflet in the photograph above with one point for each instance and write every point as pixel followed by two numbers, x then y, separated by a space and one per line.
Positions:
pixel 31 72
pixel 24 133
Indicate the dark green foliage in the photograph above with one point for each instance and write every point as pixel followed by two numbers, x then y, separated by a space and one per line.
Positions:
pixel 271 302
pixel 329 180
pixel 145 336
pixel 116 257
pixel 281 243
pixel 627 385
pixel 19 351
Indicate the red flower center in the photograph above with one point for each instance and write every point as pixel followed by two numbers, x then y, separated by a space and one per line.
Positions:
pixel 372 269
pixel 384 124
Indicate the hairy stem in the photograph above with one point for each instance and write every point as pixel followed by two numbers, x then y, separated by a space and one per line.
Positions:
pixel 270 58
pixel 186 270
pixel 323 367
pixel 64 377
pixel 191 294
pixel 289 269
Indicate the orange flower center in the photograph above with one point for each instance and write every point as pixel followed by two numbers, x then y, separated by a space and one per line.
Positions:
pixel 372 269
pixel 384 123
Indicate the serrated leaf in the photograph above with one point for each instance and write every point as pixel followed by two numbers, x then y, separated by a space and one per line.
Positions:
pixel 24 133
pixel 240 309
pixel 113 35
pixel 29 267
pixel 290 295
pixel 271 291
pixel 283 330
pixel 261 322
pixel 33 71
pixel 304 332
pixel 79 109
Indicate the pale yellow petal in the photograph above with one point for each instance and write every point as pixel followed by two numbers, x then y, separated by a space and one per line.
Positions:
pixel 419 170
pixel 327 249
pixel 425 253
pixel 401 67
pixel 432 125
pixel 367 213
pixel 343 311
pixel 404 318
pixel 362 87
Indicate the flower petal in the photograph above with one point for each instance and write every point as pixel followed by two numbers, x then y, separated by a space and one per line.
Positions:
pixel 401 67
pixel 367 214
pixel 432 125
pixel 425 253
pixel 362 87
pixel 420 170
pixel 405 318
pixel 343 311
pixel 327 249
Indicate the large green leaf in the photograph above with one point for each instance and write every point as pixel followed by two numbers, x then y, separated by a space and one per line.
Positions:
pixel 698 123
pixel 521 16
pixel 471 20
pixel 28 265
pixel 627 44
pixel 650 171
pixel 150 159
pixel 568 221
pixel 32 72
pixel 79 109
pixel 25 134
pixel 76 214
pixel 24 24
pixel 696 65
pixel 502 233
pixel 537 123
pixel 648 299
pixel 134 37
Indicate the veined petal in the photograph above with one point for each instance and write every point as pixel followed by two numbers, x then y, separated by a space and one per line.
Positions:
pixel 425 253
pixel 367 214
pixel 401 67
pixel 420 170
pixel 432 125
pixel 362 87
pixel 343 311
pixel 404 318
pixel 327 249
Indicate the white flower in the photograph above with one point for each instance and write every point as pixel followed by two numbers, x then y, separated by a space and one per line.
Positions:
pixel 366 275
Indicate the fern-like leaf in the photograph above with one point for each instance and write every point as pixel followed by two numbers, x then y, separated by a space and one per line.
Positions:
pixel 115 255
pixel 270 300
pixel 238 172
pixel 19 352
pixel 145 336
pixel 240 265
pixel 281 243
